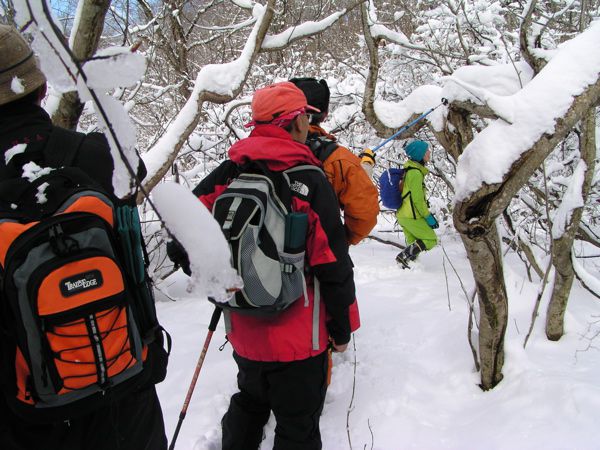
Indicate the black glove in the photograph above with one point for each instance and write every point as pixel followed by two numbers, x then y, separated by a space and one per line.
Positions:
pixel 179 256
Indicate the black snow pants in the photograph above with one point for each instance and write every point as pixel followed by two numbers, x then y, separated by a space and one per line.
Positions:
pixel 133 423
pixel 294 391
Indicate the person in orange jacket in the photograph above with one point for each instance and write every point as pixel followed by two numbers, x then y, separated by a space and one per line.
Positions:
pixel 349 175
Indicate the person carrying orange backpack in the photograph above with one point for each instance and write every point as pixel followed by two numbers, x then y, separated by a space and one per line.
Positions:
pixel 77 368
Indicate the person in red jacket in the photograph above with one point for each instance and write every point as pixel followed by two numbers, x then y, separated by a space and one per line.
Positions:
pixel 282 360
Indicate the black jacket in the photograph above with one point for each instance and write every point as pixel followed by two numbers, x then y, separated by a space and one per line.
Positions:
pixel 30 124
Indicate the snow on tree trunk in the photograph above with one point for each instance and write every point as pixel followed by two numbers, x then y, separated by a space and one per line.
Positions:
pixel 85 36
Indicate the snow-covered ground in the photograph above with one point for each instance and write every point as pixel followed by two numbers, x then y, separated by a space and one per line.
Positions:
pixel 408 379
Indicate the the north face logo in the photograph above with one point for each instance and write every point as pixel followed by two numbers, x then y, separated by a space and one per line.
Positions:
pixel 81 282
pixel 300 188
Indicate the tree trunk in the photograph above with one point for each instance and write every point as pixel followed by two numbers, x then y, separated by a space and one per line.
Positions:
pixel 454 141
pixel 562 247
pixel 371 82
pixel 84 43
pixel 486 261
pixel 530 39
pixel 179 45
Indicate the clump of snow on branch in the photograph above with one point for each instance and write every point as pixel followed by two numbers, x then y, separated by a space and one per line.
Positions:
pixel 304 29
pixel 114 67
pixel 501 79
pixel 223 79
pixel 380 31
pixel 493 151
pixel 122 125
pixel 201 236
pixel 491 86
pixel 419 101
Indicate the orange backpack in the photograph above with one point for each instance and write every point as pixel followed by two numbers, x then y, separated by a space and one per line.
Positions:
pixel 76 319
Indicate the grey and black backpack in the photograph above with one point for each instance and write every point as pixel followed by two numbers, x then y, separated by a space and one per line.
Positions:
pixel 267 239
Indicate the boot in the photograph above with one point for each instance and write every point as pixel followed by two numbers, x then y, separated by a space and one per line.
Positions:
pixel 410 253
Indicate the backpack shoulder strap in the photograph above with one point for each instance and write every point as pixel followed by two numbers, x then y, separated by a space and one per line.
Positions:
pixel 409 193
pixel 298 169
pixel 322 147
pixel 304 167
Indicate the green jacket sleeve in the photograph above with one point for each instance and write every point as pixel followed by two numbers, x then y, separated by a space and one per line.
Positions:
pixel 413 182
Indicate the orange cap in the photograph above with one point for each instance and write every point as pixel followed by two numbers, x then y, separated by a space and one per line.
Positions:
pixel 277 100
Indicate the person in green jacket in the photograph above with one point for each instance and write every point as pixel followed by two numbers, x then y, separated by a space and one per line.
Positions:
pixel 413 216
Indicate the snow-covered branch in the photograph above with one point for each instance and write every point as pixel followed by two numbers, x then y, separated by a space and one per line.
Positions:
pixel 218 83
pixel 306 29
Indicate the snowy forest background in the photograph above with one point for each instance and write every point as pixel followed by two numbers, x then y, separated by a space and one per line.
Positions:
pixel 515 186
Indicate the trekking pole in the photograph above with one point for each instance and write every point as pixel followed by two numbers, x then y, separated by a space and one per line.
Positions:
pixel 214 320
pixel 406 127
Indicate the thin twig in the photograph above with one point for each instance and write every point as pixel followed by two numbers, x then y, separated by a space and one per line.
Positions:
pixel 447 287
pixel 351 405
pixel 538 300
pixel 385 241
pixel 469 338
pixel 470 302
pixel 462 286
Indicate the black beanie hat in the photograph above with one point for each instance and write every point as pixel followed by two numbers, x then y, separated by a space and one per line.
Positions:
pixel 316 92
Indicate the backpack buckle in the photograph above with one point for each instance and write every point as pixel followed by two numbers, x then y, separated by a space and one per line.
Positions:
pixel 287 268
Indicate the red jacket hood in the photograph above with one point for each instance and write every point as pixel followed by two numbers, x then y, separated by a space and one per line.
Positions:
pixel 274 146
